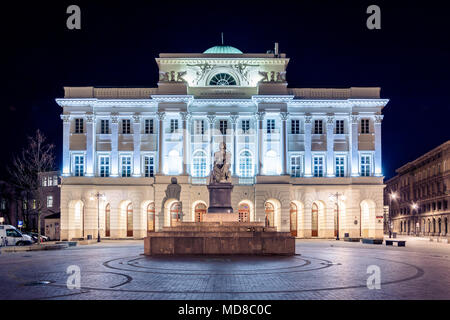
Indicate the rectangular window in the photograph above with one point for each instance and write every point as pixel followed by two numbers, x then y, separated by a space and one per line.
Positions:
pixel 318 166
pixel 295 126
pixel 318 127
pixel 173 125
pixel 103 166
pixel 44 181
pixel 149 127
pixel 55 180
pixel 78 165
pixel 365 165
pixel 296 166
pixel 149 166
pixel 104 126
pixel 79 126
pixel 365 126
pixel 126 126
pixel 223 126
pixel 339 126
pixel 270 125
pixel 199 127
pixel 340 166
pixel 49 201
pixel 245 124
pixel 126 166
pixel 50 181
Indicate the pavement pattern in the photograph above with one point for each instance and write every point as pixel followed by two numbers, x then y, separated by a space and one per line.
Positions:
pixel 321 269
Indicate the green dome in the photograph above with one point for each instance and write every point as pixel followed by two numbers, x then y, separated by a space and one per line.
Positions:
pixel 223 50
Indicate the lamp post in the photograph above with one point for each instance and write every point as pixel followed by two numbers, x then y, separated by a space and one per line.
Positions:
pixel 335 197
pixel 98 195
pixel 392 196
pixel 414 206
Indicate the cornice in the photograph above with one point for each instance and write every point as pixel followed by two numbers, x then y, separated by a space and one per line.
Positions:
pixel 272 99
pixel 81 102
pixel 172 98
pixel 227 61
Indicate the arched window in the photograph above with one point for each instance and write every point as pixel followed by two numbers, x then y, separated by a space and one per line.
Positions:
pixel 245 164
pixel 222 79
pixel 293 212
pixel 199 164
pixel 130 220
pixel 175 213
pixel 200 210
pixel 108 220
pixel 270 213
pixel 151 217
pixel 244 212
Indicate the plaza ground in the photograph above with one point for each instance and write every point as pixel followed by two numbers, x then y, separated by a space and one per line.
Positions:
pixel 322 269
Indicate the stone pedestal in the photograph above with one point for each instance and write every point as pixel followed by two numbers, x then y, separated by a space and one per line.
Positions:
pixel 220 198
pixel 220 217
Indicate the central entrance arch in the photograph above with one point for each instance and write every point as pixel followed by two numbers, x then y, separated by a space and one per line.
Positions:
pixel 270 214
pixel 175 213
pixel 244 212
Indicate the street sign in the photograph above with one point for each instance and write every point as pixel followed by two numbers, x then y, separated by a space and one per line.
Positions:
pixel 20 223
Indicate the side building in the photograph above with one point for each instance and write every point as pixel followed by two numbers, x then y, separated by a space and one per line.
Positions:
pixel 292 150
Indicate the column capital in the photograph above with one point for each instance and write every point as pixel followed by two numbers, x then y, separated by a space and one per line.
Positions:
pixel 379 118
pixel 90 118
pixel 161 115
pixel 284 116
pixel 234 118
pixel 137 118
pixel 260 115
pixel 114 117
pixel 185 116
pixel 330 119
pixel 65 118
pixel 308 118
pixel 211 118
pixel 354 118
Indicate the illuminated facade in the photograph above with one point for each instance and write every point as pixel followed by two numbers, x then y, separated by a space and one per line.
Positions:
pixel 291 149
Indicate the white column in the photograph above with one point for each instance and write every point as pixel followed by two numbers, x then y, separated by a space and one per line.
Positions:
pixel 378 165
pixel 212 120
pixel 137 145
pixel 114 145
pixel 66 144
pixel 284 143
pixel 330 146
pixel 90 145
pixel 354 162
pixel 185 118
pixel 234 119
pixel 260 116
pixel 161 117
pixel 307 143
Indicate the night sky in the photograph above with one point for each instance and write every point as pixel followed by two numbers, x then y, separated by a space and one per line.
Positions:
pixel 328 43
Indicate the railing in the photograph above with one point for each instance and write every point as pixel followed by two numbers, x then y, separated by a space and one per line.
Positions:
pixel 247 180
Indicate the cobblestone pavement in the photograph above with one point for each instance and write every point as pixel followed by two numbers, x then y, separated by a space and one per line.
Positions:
pixel 322 269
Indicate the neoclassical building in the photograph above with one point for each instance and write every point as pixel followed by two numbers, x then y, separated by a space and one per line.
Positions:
pixel 292 149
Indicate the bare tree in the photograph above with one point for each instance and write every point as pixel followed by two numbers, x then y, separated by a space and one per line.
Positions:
pixel 36 158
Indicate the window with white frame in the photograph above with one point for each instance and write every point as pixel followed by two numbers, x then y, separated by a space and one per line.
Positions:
pixel 103 167
pixel 245 164
pixel 173 125
pixel 340 166
pixel 126 166
pixel 339 127
pixel 365 165
pixel 79 125
pixel 78 165
pixel 50 181
pixel 296 166
pixel 104 126
pixel 295 127
pixel 270 125
pixel 149 126
pixel 223 126
pixel 55 180
pixel 318 127
pixel 44 181
pixel 199 164
pixel 49 201
pixel 318 166
pixel 245 125
pixel 365 126
pixel 126 126
pixel 149 166
pixel 199 127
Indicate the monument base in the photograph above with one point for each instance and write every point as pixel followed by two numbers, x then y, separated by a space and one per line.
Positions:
pixel 215 238
pixel 220 217
pixel 220 198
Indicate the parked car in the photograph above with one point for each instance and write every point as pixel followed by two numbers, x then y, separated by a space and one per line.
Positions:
pixel 10 236
pixel 34 236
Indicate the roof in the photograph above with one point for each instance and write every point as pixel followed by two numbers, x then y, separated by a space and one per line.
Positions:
pixel 223 50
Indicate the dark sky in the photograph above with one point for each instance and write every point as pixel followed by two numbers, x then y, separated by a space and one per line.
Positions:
pixel 327 41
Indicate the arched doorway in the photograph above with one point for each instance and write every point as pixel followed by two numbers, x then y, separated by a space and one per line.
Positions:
pixel 439 226
pixel 434 225
pixel 293 215
pixel 314 220
pixel 108 220
pixel 429 226
pixel 151 217
pixel 175 213
pixel 200 210
pixel 130 220
pixel 446 226
pixel 270 214
pixel 244 212
pixel 367 217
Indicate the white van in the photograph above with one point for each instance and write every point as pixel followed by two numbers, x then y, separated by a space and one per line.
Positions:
pixel 10 236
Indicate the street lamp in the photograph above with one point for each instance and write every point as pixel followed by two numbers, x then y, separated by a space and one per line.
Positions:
pixel 392 196
pixel 335 197
pixel 99 196
pixel 414 206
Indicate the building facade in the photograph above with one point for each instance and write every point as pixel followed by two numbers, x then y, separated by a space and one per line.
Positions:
pixel 418 195
pixel 292 149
